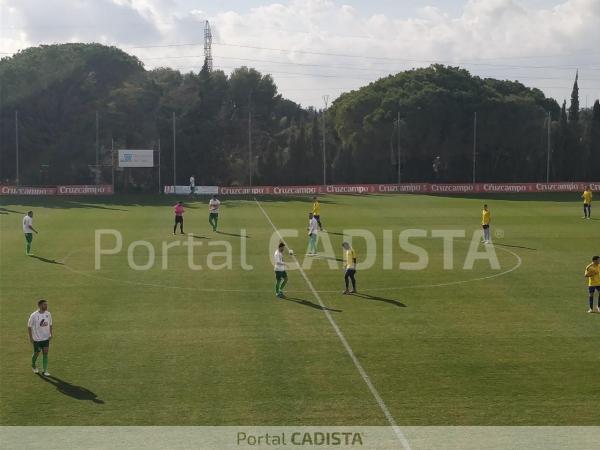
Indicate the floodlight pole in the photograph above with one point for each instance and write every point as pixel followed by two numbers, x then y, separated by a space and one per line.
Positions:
pixel 174 153
pixel 474 145
pixel 97 148
pixel 250 139
pixel 17 181
pixel 399 152
pixel 112 163
pixel 159 182
pixel 250 146
pixel 548 150
pixel 325 100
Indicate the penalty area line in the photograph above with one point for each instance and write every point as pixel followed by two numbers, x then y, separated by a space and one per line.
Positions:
pixel 386 412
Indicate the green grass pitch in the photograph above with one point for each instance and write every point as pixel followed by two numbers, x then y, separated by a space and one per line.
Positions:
pixel 181 347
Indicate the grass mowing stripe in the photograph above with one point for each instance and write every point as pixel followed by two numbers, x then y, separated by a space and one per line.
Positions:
pixel 359 367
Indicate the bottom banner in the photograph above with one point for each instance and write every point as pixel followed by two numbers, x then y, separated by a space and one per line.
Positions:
pixel 290 437
pixel 77 189
pixel 86 189
pixel 409 188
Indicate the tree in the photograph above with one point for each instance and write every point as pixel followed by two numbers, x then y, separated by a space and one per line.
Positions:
pixel 297 167
pixel 269 165
pixel 314 151
pixel 343 166
pixel 57 90
pixel 436 104
pixel 574 108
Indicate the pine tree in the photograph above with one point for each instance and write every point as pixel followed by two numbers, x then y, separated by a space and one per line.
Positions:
pixel 295 167
pixel 563 114
pixel 268 165
pixel 574 108
pixel 343 166
pixel 316 151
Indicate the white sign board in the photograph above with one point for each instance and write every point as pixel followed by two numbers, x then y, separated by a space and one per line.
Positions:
pixel 136 158
pixel 198 190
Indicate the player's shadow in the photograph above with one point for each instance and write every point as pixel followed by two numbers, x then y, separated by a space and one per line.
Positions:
pixel 196 236
pixel 520 197
pixel 94 206
pixel 330 258
pixel 380 299
pixel 304 302
pixel 46 260
pixel 514 246
pixel 6 211
pixel 285 198
pixel 233 234
pixel 71 390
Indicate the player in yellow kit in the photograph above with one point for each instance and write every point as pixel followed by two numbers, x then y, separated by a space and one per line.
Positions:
pixel 349 267
pixel 592 273
pixel 316 212
pixel 485 224
pixel 587 202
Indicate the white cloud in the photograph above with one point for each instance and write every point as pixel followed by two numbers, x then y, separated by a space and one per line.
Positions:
pixel 32 22
pixel 498 38
pixel 500 33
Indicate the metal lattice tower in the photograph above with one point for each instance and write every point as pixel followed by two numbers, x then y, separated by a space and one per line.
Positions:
pixel 208 62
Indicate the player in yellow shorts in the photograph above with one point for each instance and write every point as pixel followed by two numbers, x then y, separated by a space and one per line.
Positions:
pixel 592 273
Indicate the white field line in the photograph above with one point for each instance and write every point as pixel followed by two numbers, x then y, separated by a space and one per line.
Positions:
pixel 451 283
pixel 91 274
pixel 400 435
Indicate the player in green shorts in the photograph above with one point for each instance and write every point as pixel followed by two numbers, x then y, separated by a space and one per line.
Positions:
pixel 28 231
pixel 281 277
pixel 40 333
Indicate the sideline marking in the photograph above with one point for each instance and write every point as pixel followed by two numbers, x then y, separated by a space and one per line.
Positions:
pixel 399 434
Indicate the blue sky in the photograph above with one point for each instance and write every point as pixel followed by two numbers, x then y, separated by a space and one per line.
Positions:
pixel 326 47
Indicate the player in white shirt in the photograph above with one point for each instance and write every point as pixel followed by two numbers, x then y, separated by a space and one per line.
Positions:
pixel 213 212
pixel 313 227
pixel 28 230
pixel 40 333
pixel 281 277
pixel 192 185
